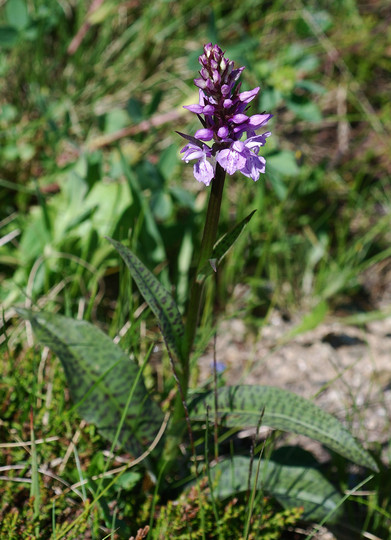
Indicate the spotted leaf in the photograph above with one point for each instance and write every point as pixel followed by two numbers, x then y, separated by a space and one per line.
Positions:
pixel 157 297
pixel 243 406
pixel 101 377
pixel 292 484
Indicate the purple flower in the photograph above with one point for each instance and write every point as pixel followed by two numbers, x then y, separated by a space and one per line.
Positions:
pixel 220 367
pixel 222 111
pixel 243 156
pixel 203 169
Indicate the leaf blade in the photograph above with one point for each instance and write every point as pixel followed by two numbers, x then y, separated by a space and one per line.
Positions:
pixel 240 406
pixel 100 376
pixel 292 485
pixel 224 244
pixel 157 297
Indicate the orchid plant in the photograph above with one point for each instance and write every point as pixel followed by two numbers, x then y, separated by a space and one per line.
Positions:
pixel 108 387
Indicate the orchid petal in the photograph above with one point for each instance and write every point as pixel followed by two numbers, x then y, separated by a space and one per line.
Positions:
pixel 239 118
pixel 203 171
pixel 204 134
pixel 258 120
pixel 248 96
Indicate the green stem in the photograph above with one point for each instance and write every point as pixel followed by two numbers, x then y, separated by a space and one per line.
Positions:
pixel 177 425
pixel 208 241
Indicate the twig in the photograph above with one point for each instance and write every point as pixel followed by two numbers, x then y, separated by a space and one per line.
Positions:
pixel 70 448
pixel 76 41
pixel 143 126
pixel 27 443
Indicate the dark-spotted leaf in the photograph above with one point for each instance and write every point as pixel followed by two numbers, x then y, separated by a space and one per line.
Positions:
pixel 242 406
pixel 293 485
pixel 100 377
pixel 157 297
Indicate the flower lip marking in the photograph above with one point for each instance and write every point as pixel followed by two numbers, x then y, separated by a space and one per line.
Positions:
pixel 222 112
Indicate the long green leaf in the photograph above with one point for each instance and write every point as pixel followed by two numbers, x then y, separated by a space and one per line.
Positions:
pixel 242 406
pixel 293 485
pixel 158 299
pixel 100 377
pixel 224 244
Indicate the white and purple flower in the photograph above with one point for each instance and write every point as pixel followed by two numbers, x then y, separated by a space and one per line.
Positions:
pixel 221 110
pixel 243 156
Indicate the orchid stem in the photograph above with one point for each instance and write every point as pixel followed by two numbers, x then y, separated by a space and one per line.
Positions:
pixel 176 429
pixel 208 241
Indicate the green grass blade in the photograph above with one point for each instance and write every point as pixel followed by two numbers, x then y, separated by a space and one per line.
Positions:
pixel 100 375
pixel 35 490
pixel 158 298
pixel 328 517
pixel 241 406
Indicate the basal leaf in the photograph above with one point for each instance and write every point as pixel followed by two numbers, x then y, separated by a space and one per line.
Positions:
pixel 100 377
pixel 291 484
pixel 242 406
pixel 157 297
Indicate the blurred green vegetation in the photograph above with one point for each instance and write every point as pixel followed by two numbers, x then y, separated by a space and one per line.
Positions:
pixel 91 95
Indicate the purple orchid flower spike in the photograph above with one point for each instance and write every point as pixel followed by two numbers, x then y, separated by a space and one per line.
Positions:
pixel 222 112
